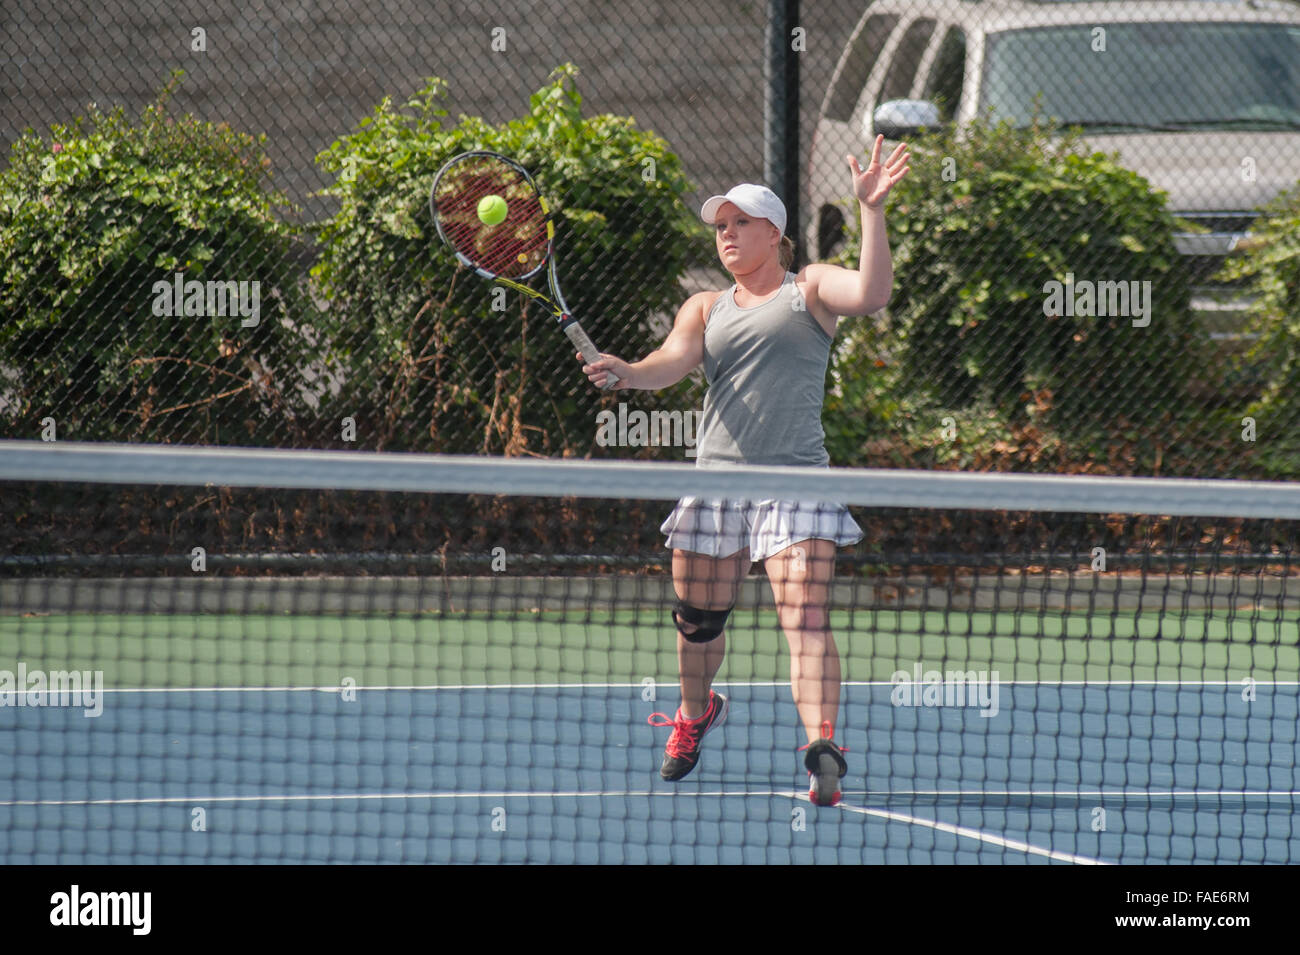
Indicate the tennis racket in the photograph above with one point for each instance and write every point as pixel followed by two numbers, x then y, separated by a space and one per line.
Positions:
pixel 510 252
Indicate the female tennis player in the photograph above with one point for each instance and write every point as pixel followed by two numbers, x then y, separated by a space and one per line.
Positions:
pixel 765 343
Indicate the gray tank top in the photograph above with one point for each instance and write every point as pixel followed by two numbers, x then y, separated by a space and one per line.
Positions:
pixel 766 369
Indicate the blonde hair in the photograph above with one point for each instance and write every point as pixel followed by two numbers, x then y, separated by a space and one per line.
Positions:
pixel 786 252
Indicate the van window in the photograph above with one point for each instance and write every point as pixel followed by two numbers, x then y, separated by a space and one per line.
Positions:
pixel 907 59
pixel 1149 75
pixel 946 76
pixel 857 67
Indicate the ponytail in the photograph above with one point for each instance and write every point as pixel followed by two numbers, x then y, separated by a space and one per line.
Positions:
pixel 786 252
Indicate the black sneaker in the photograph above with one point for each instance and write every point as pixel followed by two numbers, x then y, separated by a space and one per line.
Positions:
pixel 825 763
pixel 683 749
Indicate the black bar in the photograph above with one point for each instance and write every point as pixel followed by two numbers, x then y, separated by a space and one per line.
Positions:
pixel 781 133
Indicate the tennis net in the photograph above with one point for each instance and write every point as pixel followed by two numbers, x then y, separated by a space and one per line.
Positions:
pixel 262 656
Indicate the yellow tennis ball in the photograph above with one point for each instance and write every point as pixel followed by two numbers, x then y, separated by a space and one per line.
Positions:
pixel 492 210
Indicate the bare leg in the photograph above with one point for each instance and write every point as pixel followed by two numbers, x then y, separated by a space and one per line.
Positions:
pixel 709 583
pixel 801 577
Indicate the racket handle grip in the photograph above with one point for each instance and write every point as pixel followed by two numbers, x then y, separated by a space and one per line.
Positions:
pixel 582 341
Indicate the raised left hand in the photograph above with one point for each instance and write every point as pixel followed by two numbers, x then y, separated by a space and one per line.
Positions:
pixel 872 185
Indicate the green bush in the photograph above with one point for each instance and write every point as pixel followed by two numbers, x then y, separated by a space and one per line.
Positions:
pixel 1271 266
pixel 989 215
pixel 423 362
pixel 90 223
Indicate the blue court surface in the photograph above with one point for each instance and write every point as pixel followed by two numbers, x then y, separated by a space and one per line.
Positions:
pixel 1065 773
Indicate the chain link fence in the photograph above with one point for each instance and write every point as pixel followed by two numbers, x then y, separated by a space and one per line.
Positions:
pixel 243 254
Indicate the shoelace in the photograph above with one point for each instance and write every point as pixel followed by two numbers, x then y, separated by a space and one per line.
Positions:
pixel 684 738
pixel 828 733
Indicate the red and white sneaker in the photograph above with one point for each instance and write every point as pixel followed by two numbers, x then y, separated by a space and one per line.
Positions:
pixel 683 749
pixel 826 766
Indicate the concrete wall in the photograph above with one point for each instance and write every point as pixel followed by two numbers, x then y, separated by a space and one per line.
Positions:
pixel 305 72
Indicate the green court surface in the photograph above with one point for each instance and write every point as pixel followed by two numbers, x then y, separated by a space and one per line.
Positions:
pixel 263 650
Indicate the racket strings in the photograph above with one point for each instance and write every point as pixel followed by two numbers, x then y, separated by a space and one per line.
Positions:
pixel 514 248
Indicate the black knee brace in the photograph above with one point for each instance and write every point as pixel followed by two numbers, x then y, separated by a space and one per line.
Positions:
pixel 708 623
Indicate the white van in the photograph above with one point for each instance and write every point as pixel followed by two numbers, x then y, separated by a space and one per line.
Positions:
pixel 1200 98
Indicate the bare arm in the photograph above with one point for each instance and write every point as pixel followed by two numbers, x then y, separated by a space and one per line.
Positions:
pixel 848 292
pixel 680 353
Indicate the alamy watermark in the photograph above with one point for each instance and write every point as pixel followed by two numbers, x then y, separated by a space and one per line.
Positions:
pixel 214 299
pixel 654 429
pixel 77 907
pixel 951 688
pixel 1088 299
pixel 81 688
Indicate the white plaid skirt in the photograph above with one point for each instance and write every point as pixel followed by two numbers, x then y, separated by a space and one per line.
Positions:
pixel 719 528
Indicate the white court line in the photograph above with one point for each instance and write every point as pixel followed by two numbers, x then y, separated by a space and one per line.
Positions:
pixel 601 794
pixel 1079 793
pixel 360 797
pixel 620 686
pixel 968 833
